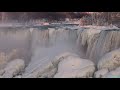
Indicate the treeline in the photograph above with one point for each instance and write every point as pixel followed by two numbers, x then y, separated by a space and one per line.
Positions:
pixel 26 16
pixel 100 18
pixel 86 18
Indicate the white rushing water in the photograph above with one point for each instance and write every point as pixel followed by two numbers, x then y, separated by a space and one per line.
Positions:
pixel 34 45
pixel 47 44
pixel 39 46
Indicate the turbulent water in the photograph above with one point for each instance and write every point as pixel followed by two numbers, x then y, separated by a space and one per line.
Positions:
pixel 40 46
pixel 95 42
pixel 46 44
pixel 34 44
pixel 14 43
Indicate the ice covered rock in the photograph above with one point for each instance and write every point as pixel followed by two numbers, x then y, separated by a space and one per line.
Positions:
pixel 100 73
pixel 113 74
pixel 72 66
pixel 2 71
pixel 100 27
pixel 110 61
pixel 46 70
pixel 61 57
pixel 19 76
pixel 13 68
pixel 49 74
pixel 3 60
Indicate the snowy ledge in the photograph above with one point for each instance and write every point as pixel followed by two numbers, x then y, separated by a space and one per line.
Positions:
pixel 99 27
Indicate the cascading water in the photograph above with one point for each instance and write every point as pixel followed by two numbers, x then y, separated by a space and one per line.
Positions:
pixel 46 44
pixel 94 43
pixel 107 41
pixel 14 43
pixel 35 45
pixel 39 46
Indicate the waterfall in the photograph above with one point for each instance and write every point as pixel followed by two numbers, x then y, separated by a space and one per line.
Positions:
pixel 46 44
pixel 94 43
pixel 108 40
pixel 38 47
pixel 14 43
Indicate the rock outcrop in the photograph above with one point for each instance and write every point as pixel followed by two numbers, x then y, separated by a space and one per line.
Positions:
pixel 110 61
pixel 100 73
pixel 39 71
pixel 13 68
pixel 72 66
pixel 109 65
pixel 113 74
pixel 66 65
